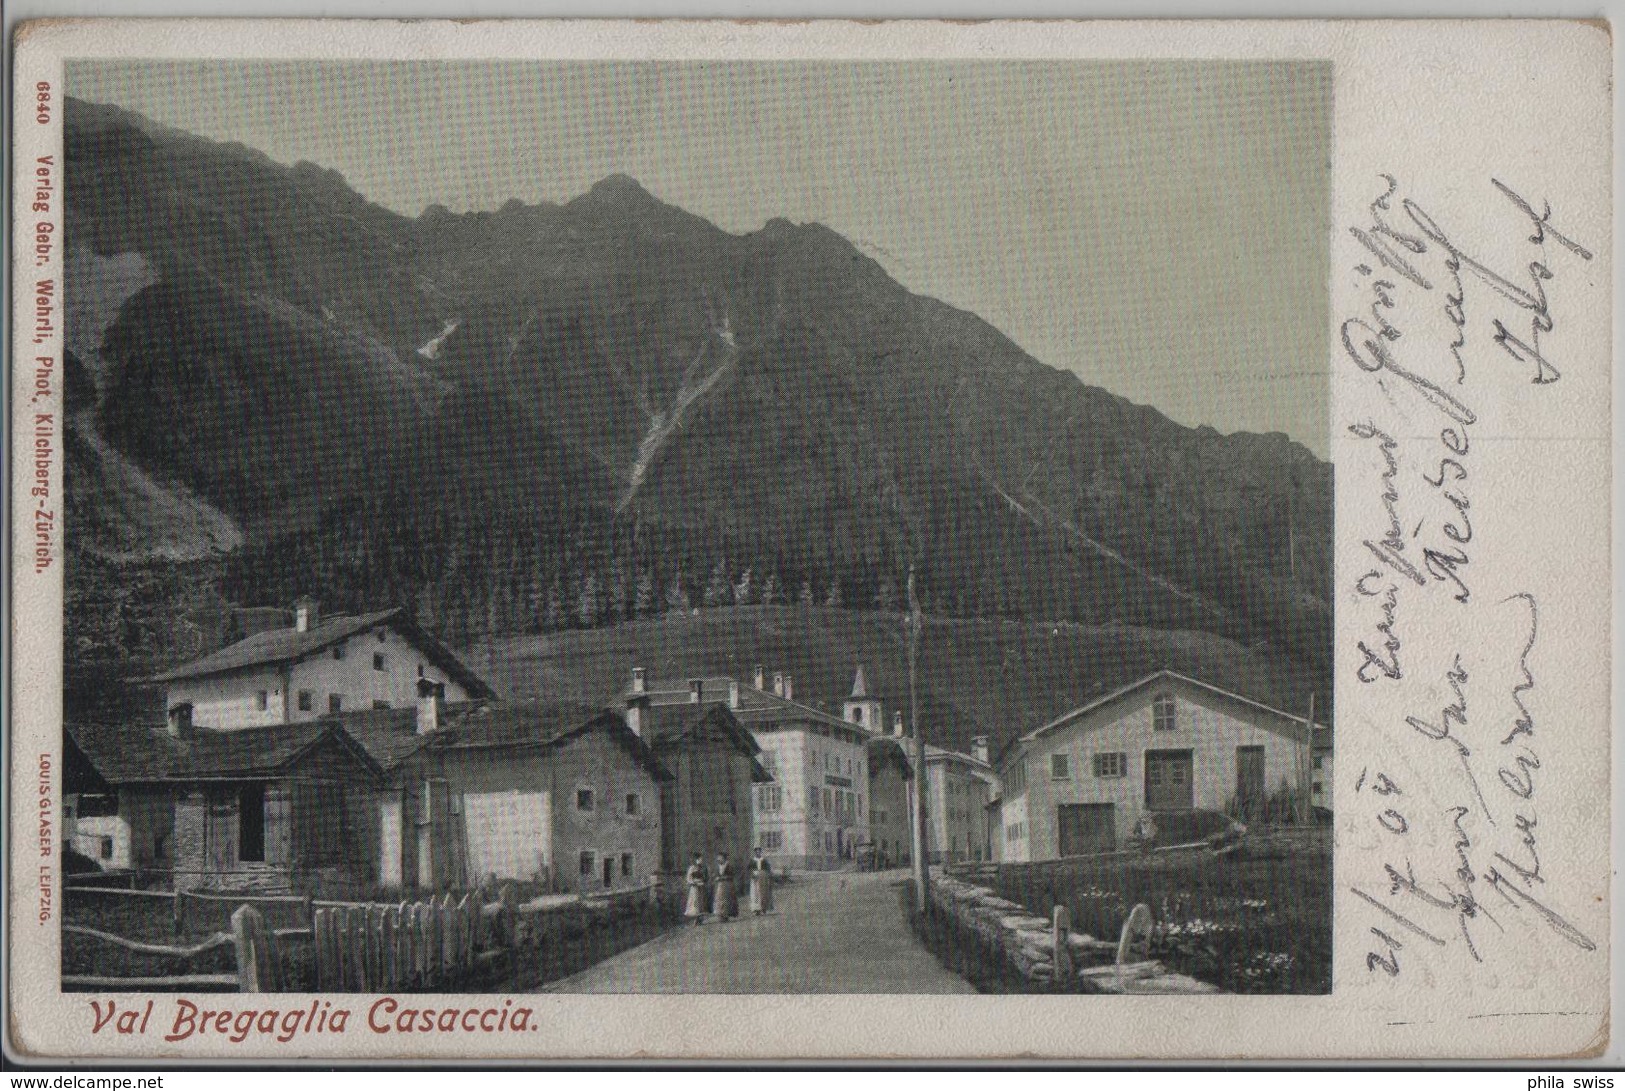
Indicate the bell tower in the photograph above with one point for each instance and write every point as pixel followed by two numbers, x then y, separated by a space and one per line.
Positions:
pixel 863 710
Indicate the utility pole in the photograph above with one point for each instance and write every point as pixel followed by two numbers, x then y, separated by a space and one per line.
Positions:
pixel 1306 762
pixel 921 844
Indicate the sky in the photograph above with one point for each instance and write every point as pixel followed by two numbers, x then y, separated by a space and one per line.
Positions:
pixel 1160 228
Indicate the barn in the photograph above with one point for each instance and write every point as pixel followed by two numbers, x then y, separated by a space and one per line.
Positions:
pixel 1166 746
pixel 276 808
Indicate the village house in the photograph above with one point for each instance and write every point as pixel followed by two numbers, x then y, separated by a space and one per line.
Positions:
pixel 279 808
pixel 891 801
pixel 706 806
pixel 958 790
pixel 303 666
pixel 560 795
pixel 1165 745
pixel 813 813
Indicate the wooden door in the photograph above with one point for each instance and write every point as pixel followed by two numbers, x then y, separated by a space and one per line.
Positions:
pixel 1250 780
pixel 1086 828
pixel 1169 785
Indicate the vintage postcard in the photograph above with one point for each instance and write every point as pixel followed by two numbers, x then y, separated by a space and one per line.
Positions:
pixel 537 541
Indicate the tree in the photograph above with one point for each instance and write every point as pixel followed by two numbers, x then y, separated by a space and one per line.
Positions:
pixel 677 594
pixel 717 587
pixel 834 597
pixel 744 592
pixel 588 604
pixel 643 602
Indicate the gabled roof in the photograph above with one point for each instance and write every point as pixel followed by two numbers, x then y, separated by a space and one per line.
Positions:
pixel 1164 676
pixel 672 727
pixel 890 750
pixel 272 647
pixel 133 754
pixel 524 725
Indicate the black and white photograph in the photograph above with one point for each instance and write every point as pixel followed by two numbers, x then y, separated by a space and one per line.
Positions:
pixel 609 542
pixel 663 527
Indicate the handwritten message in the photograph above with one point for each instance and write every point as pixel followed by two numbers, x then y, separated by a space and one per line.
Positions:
pixel 1456 311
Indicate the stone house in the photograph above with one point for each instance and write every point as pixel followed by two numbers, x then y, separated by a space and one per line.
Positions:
pixel 278 808
pixel 1165 746
pixel 707 806
pixel 556 794
pixel 891 802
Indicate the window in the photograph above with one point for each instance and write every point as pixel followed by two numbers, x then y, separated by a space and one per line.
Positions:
pixel 626 864
pixel 584 800
pixel 829 802
pixel 812 798
pixel 589 862
pixel 1060 767
pixel 380 704
pixel 338 651
pixel 107 848
pixel 307 700
pixel 633 804
pixel 770 797
pixel 377 661
pixel 335 702
pixel 1016 782
pixel 382 636
pixel 1162 713
pixel 262 700
pixel 251 823
pixel 1319 763
pixel 772 840
pixel 770 762
pixel 1111 765
pixel 857 714
pixel 609 871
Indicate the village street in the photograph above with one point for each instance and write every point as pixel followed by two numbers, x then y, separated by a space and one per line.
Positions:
pixel 840 932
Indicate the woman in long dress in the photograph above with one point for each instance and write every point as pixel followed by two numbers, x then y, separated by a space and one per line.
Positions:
pixel 725 904
pixel 761 884
pixel 699 884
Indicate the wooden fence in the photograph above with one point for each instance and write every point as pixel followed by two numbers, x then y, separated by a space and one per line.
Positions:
pixel 438 943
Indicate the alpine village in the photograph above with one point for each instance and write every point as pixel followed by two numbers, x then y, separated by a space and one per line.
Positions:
pixel 584 598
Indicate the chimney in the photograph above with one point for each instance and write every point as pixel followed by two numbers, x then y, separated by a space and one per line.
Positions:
pixel 978 748
pixel 778 684
pixel 639 680
pixel 306 612
pixel 431 705
pixel 761 678
pixel 733 693
pixel 897 723
pixel 789 688
pixel 180 719
pixel 694 686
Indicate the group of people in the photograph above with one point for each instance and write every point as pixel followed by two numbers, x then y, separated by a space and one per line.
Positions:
pixel 715 894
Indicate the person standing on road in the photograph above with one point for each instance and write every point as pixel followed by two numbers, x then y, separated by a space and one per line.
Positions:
pixel 698 886
pixel 761 884
pixel 725 904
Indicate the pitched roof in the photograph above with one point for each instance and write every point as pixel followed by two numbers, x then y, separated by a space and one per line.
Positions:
pixel 860 688
pixel 889 749
pixel 1164 676
pixel 136 754
pixel 523 725
pixel 287 645
pixel 672 727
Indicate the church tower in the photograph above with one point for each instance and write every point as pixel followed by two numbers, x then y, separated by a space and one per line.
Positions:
pixel 863 710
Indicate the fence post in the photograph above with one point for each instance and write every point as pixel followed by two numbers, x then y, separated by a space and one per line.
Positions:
pixel 1061 949
pixel 510 929
pixel 256 956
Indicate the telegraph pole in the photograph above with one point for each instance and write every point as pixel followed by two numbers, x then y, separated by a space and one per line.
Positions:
pixel 921 843
pixel 1306 764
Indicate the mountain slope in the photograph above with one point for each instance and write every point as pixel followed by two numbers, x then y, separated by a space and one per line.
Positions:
pixel 548 415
